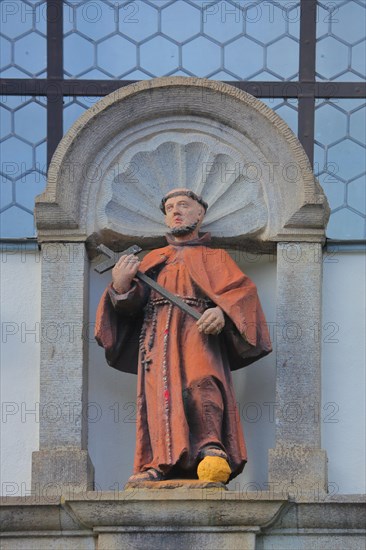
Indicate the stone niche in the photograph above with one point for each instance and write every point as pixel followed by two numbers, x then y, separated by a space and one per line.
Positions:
pixel 104 184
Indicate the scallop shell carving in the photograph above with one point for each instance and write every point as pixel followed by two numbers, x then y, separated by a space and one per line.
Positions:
pixel 234 195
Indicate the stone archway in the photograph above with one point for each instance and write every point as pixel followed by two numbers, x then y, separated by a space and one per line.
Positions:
pixel 131 147
pixel 147 137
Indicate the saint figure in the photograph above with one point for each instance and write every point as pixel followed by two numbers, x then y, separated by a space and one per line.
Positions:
pixel 188 425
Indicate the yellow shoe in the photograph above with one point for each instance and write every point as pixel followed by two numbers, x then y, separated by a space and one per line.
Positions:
pixel 214 469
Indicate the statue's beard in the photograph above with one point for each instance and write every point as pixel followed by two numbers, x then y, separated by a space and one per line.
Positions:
pixel 183 231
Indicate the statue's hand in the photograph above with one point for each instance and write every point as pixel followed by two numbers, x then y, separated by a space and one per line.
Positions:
pixel 123 273
pixel 212 321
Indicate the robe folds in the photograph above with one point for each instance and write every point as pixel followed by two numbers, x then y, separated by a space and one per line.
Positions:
pixel 185 396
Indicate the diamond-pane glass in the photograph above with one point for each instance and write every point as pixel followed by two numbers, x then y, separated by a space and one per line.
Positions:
pixel 340 164
pixel 23 39
pixel 341 40
pixel 23 162
pixel 150 38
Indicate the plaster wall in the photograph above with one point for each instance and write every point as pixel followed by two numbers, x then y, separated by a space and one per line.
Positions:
pixel 111 409
pixel 20 273
pixel 343 409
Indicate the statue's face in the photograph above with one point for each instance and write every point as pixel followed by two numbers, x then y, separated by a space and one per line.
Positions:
pixel 182 211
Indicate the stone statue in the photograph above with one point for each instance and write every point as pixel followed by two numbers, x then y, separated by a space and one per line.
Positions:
pixel 188 425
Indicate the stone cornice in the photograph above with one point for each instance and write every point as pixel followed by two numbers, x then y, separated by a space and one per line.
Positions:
pixel 180 508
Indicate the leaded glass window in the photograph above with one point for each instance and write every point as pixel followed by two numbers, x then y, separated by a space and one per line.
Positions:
pixel 304 58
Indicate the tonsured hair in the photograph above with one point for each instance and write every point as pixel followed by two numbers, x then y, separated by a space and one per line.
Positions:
pixel 188 193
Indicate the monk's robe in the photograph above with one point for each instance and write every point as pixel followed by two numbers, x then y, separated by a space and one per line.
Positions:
pixel 185 396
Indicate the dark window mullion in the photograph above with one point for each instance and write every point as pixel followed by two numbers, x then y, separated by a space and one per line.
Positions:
pixel 54 73
pixel 293 89
pixel 306 105
pixel 306 126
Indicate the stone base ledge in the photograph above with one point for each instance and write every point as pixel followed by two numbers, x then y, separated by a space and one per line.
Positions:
pixel 47 543
pixel 180 519
pixel 304 539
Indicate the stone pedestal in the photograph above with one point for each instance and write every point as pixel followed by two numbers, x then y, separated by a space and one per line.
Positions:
pixel 62 461
pixel 162 519
pixel 297 464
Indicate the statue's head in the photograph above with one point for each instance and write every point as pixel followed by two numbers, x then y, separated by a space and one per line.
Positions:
pixel 184 211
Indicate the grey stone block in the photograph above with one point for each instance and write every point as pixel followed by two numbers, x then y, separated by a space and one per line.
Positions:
pixel 61 472
pixel 297 463
pixel 43 541
pixel 62 463
pixel 298 471
pixel 63 372
pixel 179 539
pixel 313 541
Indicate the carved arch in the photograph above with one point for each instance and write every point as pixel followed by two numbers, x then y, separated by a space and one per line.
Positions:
pixel 110 170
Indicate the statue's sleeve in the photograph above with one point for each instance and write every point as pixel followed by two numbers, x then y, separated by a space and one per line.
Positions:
pixel 238 349
pixel 132 302
pixel 239 295
pixel 118 324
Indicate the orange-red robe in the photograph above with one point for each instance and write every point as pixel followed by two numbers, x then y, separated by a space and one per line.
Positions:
pixel 185 396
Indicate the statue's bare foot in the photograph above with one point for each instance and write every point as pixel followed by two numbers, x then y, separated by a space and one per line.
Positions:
pixel 148 475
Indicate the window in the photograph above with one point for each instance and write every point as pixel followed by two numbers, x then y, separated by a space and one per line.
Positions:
pixel 304 59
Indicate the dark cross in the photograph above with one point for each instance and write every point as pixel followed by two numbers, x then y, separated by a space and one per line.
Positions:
pixel 113 259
